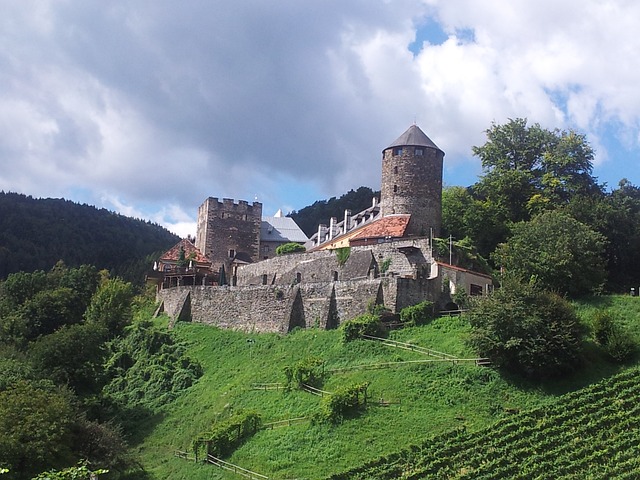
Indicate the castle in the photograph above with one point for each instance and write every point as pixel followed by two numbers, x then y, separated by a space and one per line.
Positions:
pixel 382 255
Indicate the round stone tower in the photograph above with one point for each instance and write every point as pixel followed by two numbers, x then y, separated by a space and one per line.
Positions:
pixel 412 182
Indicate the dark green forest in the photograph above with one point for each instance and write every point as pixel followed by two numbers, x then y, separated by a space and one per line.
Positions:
pixel 321 211
pixel 37 233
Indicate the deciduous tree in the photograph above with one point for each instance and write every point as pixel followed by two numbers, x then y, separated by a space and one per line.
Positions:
pixel 556 252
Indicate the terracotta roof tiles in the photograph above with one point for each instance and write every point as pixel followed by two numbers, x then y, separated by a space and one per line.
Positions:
pixel 391 226
pixel 190 250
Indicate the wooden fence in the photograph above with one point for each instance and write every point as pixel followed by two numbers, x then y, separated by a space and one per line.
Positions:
pixel 379 366
pixel 234 468
pixel 410 346
pixel 267 386
pixel 315 391
pixel 285 423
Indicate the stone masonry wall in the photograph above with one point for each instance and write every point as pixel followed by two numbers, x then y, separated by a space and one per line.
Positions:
pixel 313 267
pixel 278 308
pixel 316 299
pixel 412 263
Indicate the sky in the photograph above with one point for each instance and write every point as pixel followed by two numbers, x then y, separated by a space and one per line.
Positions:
pixel 148 107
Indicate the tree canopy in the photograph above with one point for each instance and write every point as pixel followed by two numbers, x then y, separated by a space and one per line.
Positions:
pixel 556 252
pixel 526 330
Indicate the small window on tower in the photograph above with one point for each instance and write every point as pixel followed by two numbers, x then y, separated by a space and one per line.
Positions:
pixel 397 151
pixel 232 253
pixel 419 152
pixel 395 189
pixel 395 170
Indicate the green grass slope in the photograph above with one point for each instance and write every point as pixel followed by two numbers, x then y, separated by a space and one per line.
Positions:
pixel 427 400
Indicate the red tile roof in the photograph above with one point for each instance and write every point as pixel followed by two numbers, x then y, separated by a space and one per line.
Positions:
pixel 190 250
pixel 391 226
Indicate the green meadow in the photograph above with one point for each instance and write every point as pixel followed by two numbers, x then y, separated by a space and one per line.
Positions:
pixel 408 401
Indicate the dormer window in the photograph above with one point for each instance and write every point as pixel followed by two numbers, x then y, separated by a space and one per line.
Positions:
pixel 397 151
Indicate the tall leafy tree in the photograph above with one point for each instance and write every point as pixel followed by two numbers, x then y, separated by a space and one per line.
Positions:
pixel 35 428
pixel 73 356
pixel 528 170
pixel 111 306
pixel 556 252
pixel 511 160
pixel 465 215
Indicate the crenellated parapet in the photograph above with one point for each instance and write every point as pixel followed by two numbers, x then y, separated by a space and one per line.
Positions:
pixel 229 231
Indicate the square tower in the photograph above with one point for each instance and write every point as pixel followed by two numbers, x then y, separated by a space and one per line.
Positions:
pixel 229 232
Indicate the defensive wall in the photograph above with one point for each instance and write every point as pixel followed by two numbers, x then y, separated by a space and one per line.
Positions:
pixel 280 308
pixel 315 289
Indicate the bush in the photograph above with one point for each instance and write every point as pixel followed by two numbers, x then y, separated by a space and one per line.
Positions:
pixel 603 327
pixel 419 314
pixel 367 324
pixel 612 337
pixel 308 371
pixel 290 247
pixel 226 436
pixel 527 331
pixel 345 401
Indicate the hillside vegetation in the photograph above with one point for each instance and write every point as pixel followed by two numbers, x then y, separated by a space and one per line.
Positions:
pixel 425 404
pixel 37 233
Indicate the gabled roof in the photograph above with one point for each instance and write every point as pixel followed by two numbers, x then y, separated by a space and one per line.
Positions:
pixel 392 226
pixel 281 229
pixel 413 137
pixel 190 250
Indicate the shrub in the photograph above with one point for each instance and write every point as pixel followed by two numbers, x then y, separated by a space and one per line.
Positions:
pixel 612 337
pixel 290 247
pixel 308 371
pixel 226 436
pixel 345 401
pixel 343 255
pixel 603 326
pixel 527 331
pixel 385 264
pixel 419 314
pixel 367 324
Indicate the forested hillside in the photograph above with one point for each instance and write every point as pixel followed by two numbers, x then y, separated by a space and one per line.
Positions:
pixel 321 211
pixel 37 233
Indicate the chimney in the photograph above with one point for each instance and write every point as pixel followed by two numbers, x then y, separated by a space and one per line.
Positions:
pixel 322 230
pixel 346 226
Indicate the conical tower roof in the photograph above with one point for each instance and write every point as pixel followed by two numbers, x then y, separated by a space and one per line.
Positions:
pixel 414 137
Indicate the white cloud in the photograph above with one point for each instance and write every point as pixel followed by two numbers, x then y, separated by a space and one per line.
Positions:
pixel 160 104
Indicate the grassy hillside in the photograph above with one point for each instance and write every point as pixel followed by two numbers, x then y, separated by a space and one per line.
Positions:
pixel 427 399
